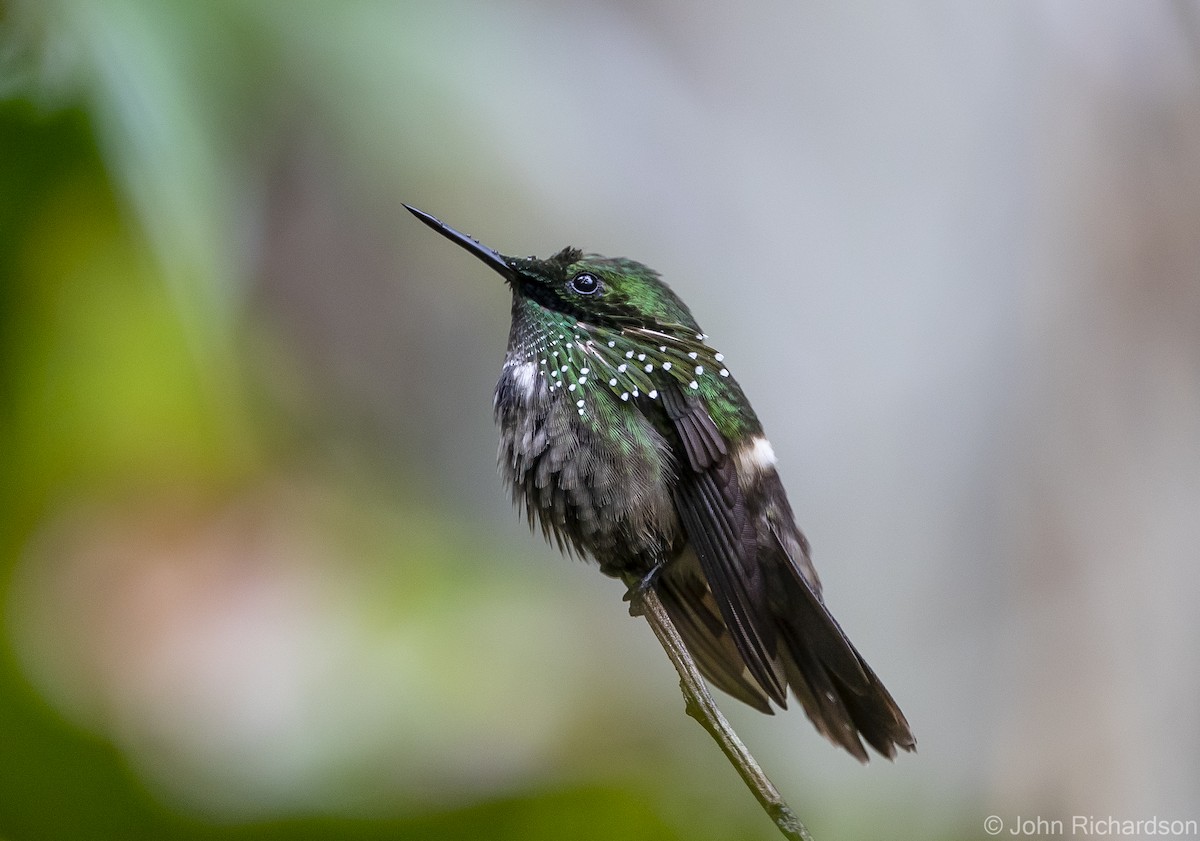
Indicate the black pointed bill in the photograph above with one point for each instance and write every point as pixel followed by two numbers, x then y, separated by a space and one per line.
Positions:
pixel 489 256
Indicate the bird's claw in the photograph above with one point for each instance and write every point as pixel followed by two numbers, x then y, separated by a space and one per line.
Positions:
pixel 637 592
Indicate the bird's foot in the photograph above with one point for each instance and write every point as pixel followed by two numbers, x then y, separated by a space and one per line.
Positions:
pixel 639 589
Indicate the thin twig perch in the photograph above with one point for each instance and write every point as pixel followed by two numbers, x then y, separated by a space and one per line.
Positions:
pixel 702 707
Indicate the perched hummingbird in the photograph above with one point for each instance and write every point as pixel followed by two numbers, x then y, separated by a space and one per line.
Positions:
pixel 625 437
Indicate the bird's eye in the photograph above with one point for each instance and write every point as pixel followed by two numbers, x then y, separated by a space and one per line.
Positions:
pixel 584 283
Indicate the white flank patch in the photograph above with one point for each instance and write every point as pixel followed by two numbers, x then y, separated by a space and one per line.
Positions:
pixel 524 378
pixel 756 456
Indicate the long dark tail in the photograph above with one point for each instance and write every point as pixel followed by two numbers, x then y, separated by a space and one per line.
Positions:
pixel 746 598
pixel 838 690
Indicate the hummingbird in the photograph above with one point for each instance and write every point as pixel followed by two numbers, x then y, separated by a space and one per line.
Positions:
pixel 625 438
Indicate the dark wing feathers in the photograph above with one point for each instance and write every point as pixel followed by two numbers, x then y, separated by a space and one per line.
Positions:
pixel 695 613
pixel 712 534
pixel 755 621
pixel 702 441
pixel 712 510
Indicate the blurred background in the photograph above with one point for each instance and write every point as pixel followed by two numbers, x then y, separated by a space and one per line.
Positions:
pixel 258 576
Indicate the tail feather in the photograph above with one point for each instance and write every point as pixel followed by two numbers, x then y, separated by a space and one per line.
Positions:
pixel 818 694
pixel 839 692
pixel 841 712
pixel 696 616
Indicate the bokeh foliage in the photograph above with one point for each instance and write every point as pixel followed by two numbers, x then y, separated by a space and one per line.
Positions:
pixel 134 373
pixel 257 577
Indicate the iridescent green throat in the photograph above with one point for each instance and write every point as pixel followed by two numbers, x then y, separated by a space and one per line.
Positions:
pixel 583 359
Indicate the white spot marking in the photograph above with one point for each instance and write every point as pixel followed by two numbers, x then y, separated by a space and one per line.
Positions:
pixel 649 367
pixel 612 344
pixel 654 394
pixel 666 366
pixel 625 395
pixel 693 384
pixel 524 378
pixel 579 403
pixel 613 381
pixel 699 370
pixel 641 357
pixel 720 357
pixel 662 348
pixel 621 368
pixel 571 387
pixel 724 372
pixel 692 354
pixel 755 456
pixel 582 380
pixel 585 370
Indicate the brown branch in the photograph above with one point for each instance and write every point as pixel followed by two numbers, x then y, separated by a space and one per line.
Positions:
pixel 702 707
